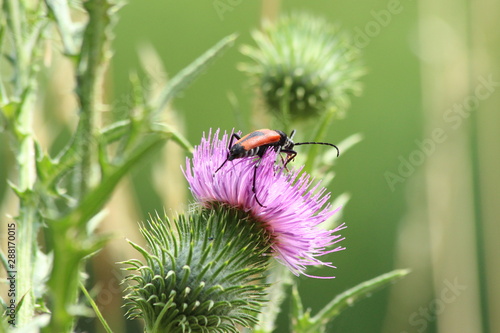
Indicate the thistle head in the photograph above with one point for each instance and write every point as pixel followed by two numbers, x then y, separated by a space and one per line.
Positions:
pixel 294 206
pixel 304 65
pixel 202 273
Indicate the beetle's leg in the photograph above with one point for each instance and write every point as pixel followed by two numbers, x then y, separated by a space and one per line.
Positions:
pixel 290 156
pixel 253 183
pixel 282 160
pixel 233 136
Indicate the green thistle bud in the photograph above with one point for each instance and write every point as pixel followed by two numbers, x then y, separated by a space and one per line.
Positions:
pixel 203 273
pixel 303 66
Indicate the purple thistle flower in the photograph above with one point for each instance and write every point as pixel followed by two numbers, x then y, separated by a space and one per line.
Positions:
pixel 293 210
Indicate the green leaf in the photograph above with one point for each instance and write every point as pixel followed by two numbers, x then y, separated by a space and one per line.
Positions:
pixel 96 309
pixel 189 73
pixel 97 197
pixel 340 201
pixel 305 324
pixel 3 260
pixel 9 110
pixel 4 99
pixel 297 309
pixel 61 13
pixel 174 136
pixel 115 131
pixel 52 170
pixel 3 305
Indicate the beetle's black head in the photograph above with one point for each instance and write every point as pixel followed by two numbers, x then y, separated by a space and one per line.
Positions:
pixel 288 143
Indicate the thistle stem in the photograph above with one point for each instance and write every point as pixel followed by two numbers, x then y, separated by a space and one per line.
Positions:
pixel 68 233
pixel 27 223
pixel 90 70
pixel 285 105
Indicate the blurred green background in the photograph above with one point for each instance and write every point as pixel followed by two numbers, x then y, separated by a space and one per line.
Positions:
pixel 423 182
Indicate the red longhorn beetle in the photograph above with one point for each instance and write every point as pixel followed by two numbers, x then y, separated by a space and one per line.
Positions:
pixel 257 142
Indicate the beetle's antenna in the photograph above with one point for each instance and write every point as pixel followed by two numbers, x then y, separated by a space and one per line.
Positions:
pixel 319 143
pixel 221 165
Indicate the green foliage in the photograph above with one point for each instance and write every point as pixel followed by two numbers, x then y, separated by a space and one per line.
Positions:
pixel 95 308
pixel 302 322
pixel 63 193
pixel 200 272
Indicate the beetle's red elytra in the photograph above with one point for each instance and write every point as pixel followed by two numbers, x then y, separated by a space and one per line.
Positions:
pixel 259 138
pixel 257 142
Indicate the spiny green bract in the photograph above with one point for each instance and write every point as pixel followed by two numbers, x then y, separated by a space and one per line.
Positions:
pixel 203 273
pixel 306 63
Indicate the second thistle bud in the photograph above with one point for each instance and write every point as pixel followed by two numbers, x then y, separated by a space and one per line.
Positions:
pixel 303 66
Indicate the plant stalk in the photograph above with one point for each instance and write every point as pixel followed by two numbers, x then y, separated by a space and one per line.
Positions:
pixel 27 221
pixel 70 240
